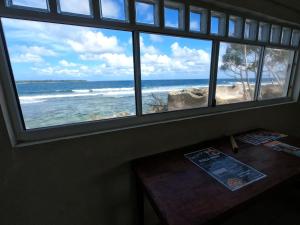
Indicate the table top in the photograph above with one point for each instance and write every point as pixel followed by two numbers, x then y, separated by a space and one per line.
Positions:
pixel 183 194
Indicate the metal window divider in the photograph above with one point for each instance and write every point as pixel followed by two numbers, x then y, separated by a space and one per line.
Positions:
pixel 213 73
pixel 137 72
pixel 259 73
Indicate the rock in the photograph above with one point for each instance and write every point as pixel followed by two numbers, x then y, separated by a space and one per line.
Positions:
pixel 271 91
pixel 188 98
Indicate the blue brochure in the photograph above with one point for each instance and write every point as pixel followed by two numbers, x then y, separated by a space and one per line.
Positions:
pixel 230 172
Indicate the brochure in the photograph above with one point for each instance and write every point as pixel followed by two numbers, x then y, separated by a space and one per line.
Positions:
pixel 230 172
pixel 260 137
pixel 280 146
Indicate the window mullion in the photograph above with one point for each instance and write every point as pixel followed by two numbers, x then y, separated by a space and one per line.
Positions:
pixel 53 6
pixel 259 73
pixel 96 9
pixel 213 73
pixel 293 74
pixel 137 72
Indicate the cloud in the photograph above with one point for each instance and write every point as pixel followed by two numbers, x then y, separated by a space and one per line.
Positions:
pixel 26 58
pixel 94 42
pixel 66 63
pixel 182 60
pixel 110 9
pixel 30 54
pixel 156 38
pixel 194 25
pixel 75 6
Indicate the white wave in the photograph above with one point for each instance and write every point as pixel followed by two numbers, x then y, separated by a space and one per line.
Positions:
pixel 106 92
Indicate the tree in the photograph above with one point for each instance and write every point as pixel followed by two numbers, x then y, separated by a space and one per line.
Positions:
pixel 238 62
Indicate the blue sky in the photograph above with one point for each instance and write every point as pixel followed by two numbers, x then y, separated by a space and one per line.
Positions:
pixel 45 51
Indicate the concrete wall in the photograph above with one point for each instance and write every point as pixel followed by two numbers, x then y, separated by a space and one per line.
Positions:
pixel 88 181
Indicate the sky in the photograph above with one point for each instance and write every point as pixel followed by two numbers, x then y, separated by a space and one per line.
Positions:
pixel 47 51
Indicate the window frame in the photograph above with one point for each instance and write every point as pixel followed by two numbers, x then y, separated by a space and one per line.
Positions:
pixel 12 106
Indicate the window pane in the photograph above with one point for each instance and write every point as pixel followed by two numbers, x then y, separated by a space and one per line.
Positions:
pixel 198 19
pixel 250 29
pixel 286 35
pixel 195 22
pixel 175 73
pixel 275 34
pixel 218 23
pixel 295 38
pixel 39 4
pixel 264 32
pixel 145 12
pixel 67 74
pixel 235 26
pixel 114 9
pixel 237 73
pixel 75 6
pixel 276 73
pixel 171 17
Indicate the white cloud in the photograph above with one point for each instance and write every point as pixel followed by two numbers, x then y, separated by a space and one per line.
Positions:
pixel 27 58
pixel 182 60
pixel 110 9
pixel 66 63
pixel 75 6
pixel 93 42
pixel 194 25
pixel 156 38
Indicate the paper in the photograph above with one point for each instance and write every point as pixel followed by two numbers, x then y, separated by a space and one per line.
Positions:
pixel 259 137
pixel 230 172
pixel 280 146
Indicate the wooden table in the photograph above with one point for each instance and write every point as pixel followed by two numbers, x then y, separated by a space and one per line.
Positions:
pixel 183 194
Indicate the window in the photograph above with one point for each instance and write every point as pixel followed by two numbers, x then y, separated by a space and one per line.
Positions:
pixel 295 38
pixel 81 7
pixel 276 73
pixel 286 36
pixel 235 27
pixel 69 71
pixel 217 23
pixel 198 20
pixel 237 73
pixel 146 13
pixel 70 74
pixel 250 30
pixel 175 73
pixel 275 34
pixel 174 14
pixel 264 32
pixel 114 9
pixel 30 4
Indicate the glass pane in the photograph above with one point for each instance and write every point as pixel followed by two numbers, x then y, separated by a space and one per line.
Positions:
pixel 145 12
pixel 295 38
pixel 275 34
pixel 250 29
pixel 214 25
pixel 286 35
pixel 175 73
pixel 39 4
pixel 171 17
pixel 235 27
pixel 237 73
pixel 218 23
pixel 263 32
pixel 114 9
pixel 67 74
pixel 195 21
pixel 75 6
pixel 276 73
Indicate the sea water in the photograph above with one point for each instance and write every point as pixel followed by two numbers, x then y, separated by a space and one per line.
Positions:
pixel 51 103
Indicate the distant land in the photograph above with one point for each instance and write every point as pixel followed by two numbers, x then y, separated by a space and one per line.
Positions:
pixel 48 81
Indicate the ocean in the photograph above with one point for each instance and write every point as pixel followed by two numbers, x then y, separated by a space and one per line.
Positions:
pixel 51 103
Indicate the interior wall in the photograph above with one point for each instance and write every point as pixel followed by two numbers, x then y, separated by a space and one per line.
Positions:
pixel 88 180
